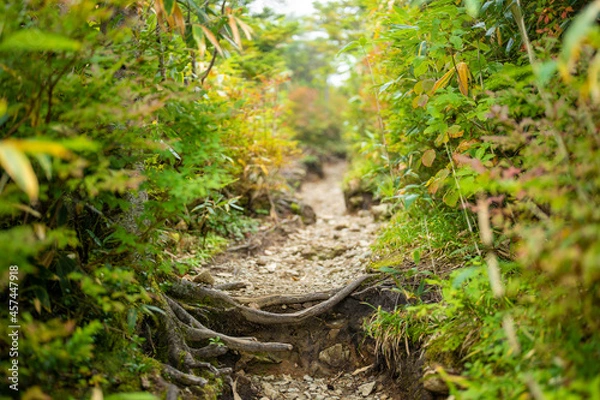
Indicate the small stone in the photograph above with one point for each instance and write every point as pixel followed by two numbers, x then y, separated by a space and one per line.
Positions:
pixel 335 356
pixel 262 260
pixel 271 267
pixel 307 378
pixel 270 391
pixel 340 226
pixel 367 388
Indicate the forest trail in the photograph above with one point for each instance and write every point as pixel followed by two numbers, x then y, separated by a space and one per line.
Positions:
pixel 330 360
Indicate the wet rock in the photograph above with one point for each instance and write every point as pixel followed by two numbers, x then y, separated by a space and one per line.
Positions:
pixel 335 356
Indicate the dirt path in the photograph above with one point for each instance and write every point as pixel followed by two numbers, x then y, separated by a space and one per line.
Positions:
pixel 331 360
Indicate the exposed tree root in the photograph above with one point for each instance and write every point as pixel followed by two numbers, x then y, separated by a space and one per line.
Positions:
pixel 186 290
pixel 183 378
pixel 183 329
pixel 231 286
pixel 268 318
pixel 195 331
pixel 277 299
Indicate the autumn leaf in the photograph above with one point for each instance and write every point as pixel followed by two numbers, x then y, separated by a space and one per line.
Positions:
pixel 463 73
pixel 235 31
pixel 17 166
pixel 428 158
pixel 443 81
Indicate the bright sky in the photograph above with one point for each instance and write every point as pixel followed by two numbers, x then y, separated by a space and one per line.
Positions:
pixel 289 7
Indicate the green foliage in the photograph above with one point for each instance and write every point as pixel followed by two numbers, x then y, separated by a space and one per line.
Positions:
pixel 114 145
pixel 500 156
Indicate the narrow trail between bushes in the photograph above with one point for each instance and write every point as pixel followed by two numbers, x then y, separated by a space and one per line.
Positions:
pixel 331 358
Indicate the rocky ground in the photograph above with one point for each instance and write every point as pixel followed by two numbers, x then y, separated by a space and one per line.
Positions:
pixel 333 361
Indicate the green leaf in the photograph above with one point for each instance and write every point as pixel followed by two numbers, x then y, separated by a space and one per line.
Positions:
pixel 451 198
pixel 36 40
pixel 546 71
pixel 410 199
pixel 473 7
pixel 45 163
pixel 417 256
pixel 404 27
pixel 169 6
pixel 349 47
pixel 464 275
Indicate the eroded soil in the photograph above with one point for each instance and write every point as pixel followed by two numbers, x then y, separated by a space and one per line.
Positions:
pixel 332 358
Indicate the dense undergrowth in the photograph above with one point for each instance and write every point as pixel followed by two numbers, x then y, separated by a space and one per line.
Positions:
pixel 136 139
pixel 484 137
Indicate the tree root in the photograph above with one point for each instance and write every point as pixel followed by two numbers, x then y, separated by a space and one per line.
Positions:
pixel 268 318
pixel 182 328
pixel 183 378
pixel 195 331
pixel 278 300
pixel 189 291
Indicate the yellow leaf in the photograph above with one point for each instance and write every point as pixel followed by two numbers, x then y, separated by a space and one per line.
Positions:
pixel 159 8
pixel 235 31
pixel 428 158
pixel 245 28
pixel 463 77
pixel 18 167
pixel 37 304
pixel 178 20
pixel 455 132
pixel 40 147
pixel 211 38
pixel 443 81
